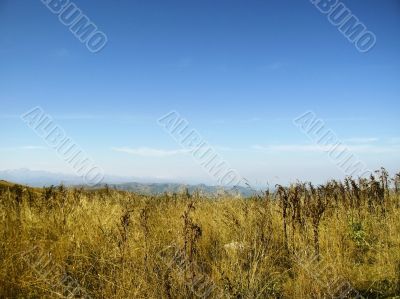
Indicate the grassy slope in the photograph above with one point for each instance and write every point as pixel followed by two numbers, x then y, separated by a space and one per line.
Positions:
pixel 123 245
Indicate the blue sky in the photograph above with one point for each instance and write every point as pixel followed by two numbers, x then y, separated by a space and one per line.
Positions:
pixel 238 71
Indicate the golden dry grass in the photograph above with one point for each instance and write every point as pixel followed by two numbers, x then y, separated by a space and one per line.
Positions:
pixel 111 244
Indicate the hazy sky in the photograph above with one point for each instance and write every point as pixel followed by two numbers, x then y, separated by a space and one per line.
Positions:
pixel 238 71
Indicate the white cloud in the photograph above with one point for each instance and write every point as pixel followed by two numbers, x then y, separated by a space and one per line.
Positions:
pixel 252 120
pixel 325 148
pixel 274 66
pixel 24 147
pixel 394 140
pixel 9 116
pixel 361 140
pixel 219 121
pixel 361 148
pixel 61 53
pixel 32 147
pixel 79 117
pixel 185 62
pixel 150 152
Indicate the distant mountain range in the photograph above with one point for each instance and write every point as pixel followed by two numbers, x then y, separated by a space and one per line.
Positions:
pixel 37 178
pixel 159 188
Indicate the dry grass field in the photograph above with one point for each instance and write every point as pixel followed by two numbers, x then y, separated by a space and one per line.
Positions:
pixel 339 240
